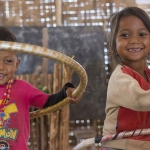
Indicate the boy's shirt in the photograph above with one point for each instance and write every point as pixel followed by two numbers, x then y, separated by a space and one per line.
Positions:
pixel 15 119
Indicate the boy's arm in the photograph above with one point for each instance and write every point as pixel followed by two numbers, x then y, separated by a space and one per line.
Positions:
pixel 55 98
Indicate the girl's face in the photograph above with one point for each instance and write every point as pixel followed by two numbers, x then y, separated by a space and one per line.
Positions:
pixel 132 40
pixel 8 66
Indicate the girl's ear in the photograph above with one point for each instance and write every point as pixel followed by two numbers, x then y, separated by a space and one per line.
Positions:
pixel 17 63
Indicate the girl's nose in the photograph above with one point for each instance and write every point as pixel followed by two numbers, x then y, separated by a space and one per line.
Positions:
pixel 134 40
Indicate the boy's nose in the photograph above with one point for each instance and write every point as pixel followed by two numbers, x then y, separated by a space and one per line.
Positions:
pixel 1 66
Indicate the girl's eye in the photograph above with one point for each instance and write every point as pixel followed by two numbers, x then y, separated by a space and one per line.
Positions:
pixel 142 34
pixel 125 35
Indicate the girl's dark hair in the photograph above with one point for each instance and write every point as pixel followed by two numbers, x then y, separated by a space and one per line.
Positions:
pixel 114 25
pixel 7 35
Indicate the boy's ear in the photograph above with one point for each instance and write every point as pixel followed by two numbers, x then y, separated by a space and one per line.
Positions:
pixel 17 63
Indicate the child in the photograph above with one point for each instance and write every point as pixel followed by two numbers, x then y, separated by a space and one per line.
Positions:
pixel 128 95
pixel 16 96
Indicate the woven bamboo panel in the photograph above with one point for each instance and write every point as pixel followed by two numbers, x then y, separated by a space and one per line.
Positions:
pixel 91 12
pixel 27 12
pixel 68 12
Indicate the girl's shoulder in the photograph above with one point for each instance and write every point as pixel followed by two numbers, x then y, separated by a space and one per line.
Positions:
pixel 119 69
pixel 147 70
pixel 127 70
pixel 122 71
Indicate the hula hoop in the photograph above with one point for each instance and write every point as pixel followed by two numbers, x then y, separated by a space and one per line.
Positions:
pixel 51 54
pixel 120 135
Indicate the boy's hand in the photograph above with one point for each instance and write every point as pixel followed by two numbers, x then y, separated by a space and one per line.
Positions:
pixel 72 100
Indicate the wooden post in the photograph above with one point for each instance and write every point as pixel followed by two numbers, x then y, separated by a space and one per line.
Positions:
pixel 58 12
pixel 50 83
pixel 54 123
pixel 45 60
pixel 44 82
pixel 65 114
pixel 44 120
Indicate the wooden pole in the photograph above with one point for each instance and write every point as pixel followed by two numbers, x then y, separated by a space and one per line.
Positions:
pixel 45 83
pixel 58 12
pixel 45 60
pixel 65 114
pixel 54 123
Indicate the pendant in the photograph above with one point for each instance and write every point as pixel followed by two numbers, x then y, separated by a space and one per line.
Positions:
pixel 4 145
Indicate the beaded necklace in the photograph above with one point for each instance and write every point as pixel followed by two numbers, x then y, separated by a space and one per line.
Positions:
pixel 6 97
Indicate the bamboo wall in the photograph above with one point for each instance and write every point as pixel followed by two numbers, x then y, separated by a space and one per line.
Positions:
pixel 61 12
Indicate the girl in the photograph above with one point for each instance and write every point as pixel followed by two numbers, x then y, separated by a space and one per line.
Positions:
pixel 128 95
pixel 16 96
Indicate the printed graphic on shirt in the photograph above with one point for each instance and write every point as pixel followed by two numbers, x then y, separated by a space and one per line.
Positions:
pixel 4 145
pixel 5 132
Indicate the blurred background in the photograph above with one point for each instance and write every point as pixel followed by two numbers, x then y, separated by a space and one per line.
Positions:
pixel 77 28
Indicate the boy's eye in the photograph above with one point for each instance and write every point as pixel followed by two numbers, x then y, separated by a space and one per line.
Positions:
pixel 8 61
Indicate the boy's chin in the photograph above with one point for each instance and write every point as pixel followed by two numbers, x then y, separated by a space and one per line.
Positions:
pixel 2 82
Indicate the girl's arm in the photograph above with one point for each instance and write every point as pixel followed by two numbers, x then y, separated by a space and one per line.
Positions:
pixel 125 91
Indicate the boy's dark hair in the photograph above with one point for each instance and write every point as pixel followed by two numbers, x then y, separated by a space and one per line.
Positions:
pixel 114 25
pixel 7 35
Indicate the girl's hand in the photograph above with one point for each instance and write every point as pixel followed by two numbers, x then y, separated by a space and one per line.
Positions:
pixel 72 100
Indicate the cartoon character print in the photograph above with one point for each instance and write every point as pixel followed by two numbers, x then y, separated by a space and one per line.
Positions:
pixel 4 145
pixel 5 114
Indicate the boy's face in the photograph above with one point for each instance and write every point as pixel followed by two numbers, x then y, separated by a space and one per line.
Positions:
pixel 8 65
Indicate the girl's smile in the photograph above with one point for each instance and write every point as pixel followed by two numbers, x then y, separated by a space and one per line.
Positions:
pixel 133 40
pixel 134 50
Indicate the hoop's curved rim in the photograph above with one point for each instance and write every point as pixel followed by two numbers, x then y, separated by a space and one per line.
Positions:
pixel 51 54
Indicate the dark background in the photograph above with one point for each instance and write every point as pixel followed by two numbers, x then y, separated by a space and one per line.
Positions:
pixel 87 45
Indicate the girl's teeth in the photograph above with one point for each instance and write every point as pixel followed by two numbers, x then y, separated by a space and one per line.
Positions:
pixel 134 50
